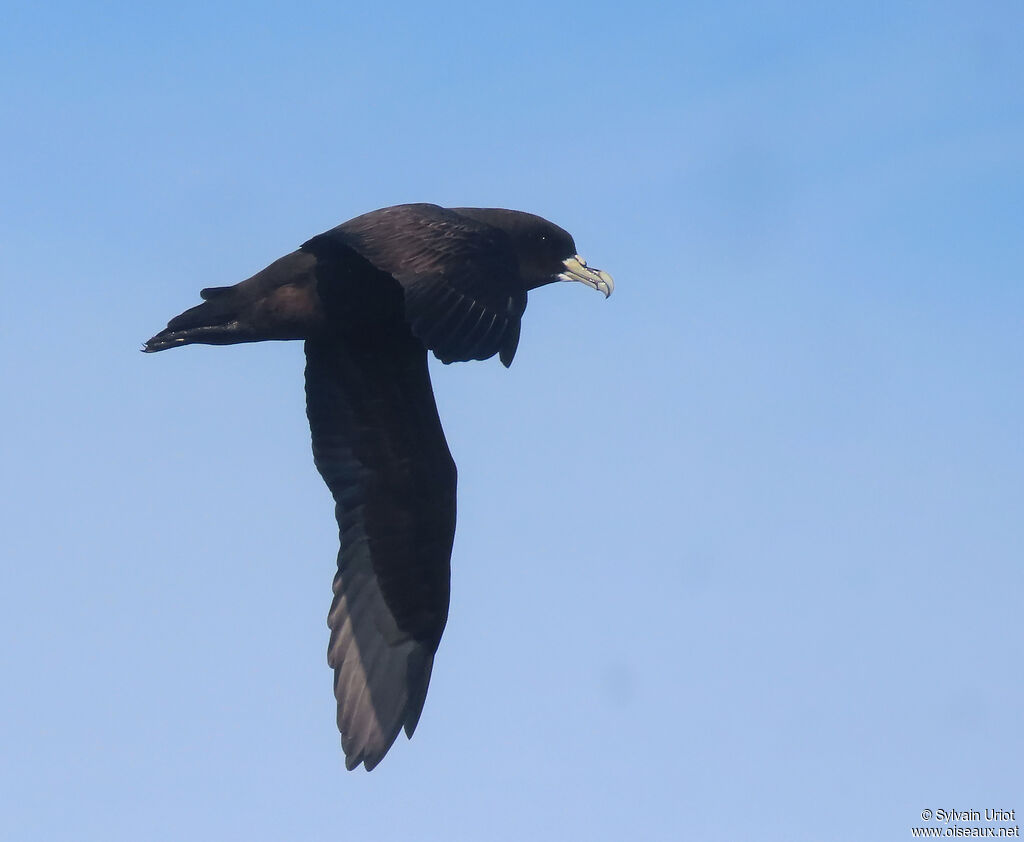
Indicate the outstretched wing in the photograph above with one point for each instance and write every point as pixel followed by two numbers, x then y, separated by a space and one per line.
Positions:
pixel 464 297
pixel 378 444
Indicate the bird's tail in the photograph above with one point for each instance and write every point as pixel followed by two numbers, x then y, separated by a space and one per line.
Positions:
pixel 281 302
pixel 214 322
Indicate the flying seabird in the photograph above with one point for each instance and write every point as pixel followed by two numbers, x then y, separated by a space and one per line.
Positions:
pixel 370 298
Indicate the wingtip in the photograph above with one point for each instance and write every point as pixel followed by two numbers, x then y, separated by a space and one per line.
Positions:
pixel 362 757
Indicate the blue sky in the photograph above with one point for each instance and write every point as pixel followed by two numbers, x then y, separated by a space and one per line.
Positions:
pixel 739 550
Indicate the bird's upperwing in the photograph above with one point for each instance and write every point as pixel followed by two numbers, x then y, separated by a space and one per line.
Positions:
pixel 378 443
pixel 464 298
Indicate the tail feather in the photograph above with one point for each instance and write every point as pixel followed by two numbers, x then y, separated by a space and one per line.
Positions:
pixel 219 311
pixel 215 322
pixel 230 333
pixel 281 302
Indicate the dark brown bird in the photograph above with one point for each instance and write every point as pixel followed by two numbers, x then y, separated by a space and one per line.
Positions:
pixel 370 298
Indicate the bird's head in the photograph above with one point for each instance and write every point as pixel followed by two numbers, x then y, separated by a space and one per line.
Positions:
pixel 546 252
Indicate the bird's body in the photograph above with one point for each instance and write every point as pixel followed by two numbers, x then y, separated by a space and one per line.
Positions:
pixel 370 298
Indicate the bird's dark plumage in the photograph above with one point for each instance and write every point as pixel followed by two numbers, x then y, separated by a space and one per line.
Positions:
pixel 370 298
